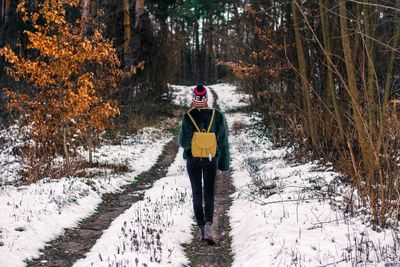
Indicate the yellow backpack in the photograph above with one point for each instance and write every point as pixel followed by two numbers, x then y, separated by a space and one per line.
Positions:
pixel 204 144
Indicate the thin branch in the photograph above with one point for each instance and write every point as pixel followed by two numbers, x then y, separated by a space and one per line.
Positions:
pixel 375 5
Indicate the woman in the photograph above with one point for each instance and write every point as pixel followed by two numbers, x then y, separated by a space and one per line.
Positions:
pixel 200 116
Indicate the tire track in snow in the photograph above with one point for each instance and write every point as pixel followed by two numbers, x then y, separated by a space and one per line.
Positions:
pixel 76 242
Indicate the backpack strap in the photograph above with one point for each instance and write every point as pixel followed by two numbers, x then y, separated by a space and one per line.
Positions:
pixel 212 119
pixel 194 122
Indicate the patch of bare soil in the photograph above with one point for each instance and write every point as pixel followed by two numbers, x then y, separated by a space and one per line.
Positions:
pixel 76 242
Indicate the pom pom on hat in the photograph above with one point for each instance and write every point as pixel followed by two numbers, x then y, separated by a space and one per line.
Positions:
pixel 199 96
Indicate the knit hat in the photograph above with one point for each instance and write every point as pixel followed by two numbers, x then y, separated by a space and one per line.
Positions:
pixel 199 96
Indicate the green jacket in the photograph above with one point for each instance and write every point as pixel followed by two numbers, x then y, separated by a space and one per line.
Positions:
pixel 202 118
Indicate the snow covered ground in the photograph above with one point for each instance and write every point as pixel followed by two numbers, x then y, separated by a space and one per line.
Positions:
pixel 35 214
pixel 39 212
pixel 229 97
pixel 11 139
pixel 151 231
pixel 287 214
pixel 283 213
pixel 181 95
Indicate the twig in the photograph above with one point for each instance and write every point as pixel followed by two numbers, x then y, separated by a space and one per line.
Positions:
pixel 280 251
pixel 331 221
pixel 289 200
pixel 333 263
pixel 262 202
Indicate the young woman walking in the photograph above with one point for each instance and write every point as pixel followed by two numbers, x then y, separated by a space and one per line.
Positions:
pixel 200 118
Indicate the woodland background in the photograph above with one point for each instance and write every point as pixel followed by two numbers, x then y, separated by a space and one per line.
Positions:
pixel 325 74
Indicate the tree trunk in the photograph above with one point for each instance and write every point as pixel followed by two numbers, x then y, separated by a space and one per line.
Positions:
pixel 139 10
pixel 210 55
pixel 352 83
pixel 5 20
pixel 357 36
pixel 369 161
pixel 197 51
pixel 127 31
pixel 189 62
pixel 65 148
pixel 371 74
pixel 85 10
pixel 388 82
pixel 2 36
pixel 63 126
pixel 2 12
pixel 311 124
pixel 90 145
pixel 85 15
pixel 203 53
pixel 330 86
pixel 207 52
pixel 93 8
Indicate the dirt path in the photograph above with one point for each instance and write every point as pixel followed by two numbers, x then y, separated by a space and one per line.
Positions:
pixel 76 242
pixel 201 254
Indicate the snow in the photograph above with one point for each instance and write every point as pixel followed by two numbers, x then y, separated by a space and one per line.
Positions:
pixel 229 97
pixel 166 210
pixel 11 139
pixel 33 215
pixel 150 231
pixel 182 95
pixel 37 213
pixel 147 144
pixel 285 213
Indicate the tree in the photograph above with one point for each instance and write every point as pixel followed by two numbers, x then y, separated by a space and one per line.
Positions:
pixel 85 14
pixel 127 31
pixel 139 10
pixel 70 78
pixel 305 84
pixel 345 91
pixel 330 85
pixel 5 20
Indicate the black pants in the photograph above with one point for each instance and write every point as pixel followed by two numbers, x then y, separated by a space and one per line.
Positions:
pixel 199 168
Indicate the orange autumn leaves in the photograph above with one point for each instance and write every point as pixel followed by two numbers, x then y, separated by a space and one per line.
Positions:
pixel 68 78
pixel 261 61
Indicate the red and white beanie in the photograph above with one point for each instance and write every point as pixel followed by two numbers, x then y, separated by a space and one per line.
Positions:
pixel 199 96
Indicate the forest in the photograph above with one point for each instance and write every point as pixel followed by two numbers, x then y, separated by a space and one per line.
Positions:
pixel 323 76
